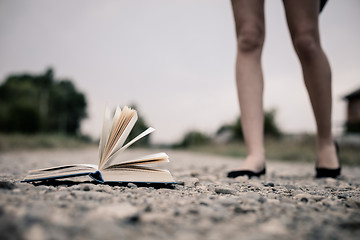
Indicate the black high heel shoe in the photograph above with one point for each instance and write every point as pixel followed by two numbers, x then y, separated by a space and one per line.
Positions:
pixel 328 172
pixel 250 174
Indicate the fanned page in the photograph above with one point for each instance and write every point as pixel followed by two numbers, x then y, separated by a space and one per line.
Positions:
pixel 122 139
pixel 105 132
pixel 116 152
pixel 119 133
pixel 153 158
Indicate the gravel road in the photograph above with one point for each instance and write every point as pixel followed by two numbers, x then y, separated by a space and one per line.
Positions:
pixel 286 204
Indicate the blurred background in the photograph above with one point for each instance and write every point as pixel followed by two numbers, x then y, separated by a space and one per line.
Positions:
pixel 61 62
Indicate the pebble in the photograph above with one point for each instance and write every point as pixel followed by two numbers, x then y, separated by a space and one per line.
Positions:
pixel 243 210
pixel 131 185
pixel 85 187
pixel 269 184
pixel 219 190
pixel 303 197
pixel 6 185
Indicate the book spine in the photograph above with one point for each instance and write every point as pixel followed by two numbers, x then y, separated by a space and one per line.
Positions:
pixel 97 176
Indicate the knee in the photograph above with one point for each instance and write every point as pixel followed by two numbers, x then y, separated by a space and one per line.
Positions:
pixel 306 45
pixel 250 40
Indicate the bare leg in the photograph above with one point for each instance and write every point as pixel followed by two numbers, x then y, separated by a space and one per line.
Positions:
pixel 302 18
pixel 250 31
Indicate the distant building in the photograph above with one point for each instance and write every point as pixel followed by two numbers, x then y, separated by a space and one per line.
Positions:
pixel 353 112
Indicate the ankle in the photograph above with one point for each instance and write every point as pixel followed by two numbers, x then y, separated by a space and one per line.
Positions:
pixel 327 156
pixel 324 142
pixel 256 161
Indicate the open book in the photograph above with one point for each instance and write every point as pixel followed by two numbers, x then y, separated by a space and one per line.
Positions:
pixel 114 133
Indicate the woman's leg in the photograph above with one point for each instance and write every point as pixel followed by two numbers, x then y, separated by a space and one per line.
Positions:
pixel 250 31
pixel 302 18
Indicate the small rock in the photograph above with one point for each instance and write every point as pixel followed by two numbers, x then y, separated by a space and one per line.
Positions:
pixel 243 210
pixel 343 196
pixel 303 197
pixel 194 174
pixel 148 208
pixel 191 182
pixel 180 182
pixel 131 185
pixel 205 202
pixel 317 197
pixel 328 203
pixel 193 211
pixel 224 190
pixel 86 187
pixel 269 184
pixel 6 185
pixel 343 184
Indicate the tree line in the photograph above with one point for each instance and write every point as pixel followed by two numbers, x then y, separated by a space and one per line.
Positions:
pixel 232 131
pixel 31 103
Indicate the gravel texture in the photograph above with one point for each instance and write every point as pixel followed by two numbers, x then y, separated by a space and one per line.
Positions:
pixel 286 204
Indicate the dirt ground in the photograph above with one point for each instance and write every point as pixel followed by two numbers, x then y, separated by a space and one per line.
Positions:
pixel 286 204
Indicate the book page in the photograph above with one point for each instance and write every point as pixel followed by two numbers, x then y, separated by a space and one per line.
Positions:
pixel 60 172
pixel 105 132
pixel 124 135
pixel 116 118
pixel 137 174
pixel 116 152
pixel 86 166
pixel 153 158
pixel 119 132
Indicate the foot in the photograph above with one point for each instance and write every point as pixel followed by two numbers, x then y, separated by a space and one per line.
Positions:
pixel 326 155
pixel 252 163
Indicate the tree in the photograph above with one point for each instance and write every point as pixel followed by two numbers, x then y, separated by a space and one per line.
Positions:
pixel 193 139
pixel 39 103
pixel 68 107
pixel 270 127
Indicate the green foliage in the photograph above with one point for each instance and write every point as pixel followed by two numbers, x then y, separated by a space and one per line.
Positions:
pixel 352 127
pixel 39 103
pixel 270 127
pixel 193 139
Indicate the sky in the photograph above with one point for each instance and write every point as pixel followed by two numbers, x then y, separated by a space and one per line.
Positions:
pixel 174 59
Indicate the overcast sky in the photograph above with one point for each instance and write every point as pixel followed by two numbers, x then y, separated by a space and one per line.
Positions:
pixel 174 59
